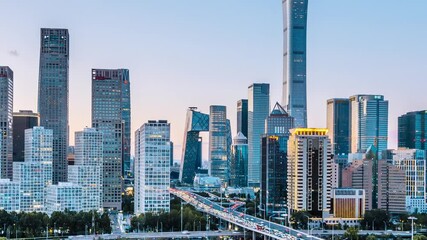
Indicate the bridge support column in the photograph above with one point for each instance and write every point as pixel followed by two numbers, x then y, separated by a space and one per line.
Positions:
pixel 253 236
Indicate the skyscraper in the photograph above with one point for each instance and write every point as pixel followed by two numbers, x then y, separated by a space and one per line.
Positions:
pixel 412 130
pixel 191 160
pixel 239 161
pixel 35 173
pixel 338 124
pixel 219 144
pixel 242 116
pixel 152 167
pixel 294 59
pixel 24 119
pixel 309 171
pixel 6 121
pixel 258 110
pixel 53 94
pixel 111 116
pixel 274 160
pixel 369 123
pixel 87 169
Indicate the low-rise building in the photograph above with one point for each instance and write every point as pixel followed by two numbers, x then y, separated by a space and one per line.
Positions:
pixel 63 196
pixel 9 195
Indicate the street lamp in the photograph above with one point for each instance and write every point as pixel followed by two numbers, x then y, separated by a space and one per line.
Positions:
pixel 308 224
pixel 412 226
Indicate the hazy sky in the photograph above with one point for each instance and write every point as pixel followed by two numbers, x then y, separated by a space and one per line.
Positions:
pixel 199 53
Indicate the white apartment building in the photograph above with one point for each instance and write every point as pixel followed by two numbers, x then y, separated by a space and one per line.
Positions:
pixel 64 195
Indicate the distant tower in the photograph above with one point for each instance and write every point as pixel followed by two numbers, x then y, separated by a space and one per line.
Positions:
pixel 111 116
pixel 412 130
pixel 53 94
pixel 6 119
pixel 294 59
pixel 152 167
pixel 258 110
pixel 24 119
pixel 274 160
pixel 309 171
pixel 242 116
pixel 219 143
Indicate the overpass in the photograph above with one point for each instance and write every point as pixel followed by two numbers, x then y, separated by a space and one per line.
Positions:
pixel 248 222
pixel 160 235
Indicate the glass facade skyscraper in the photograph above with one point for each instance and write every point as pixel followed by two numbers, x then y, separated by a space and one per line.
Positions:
pixel 338 124
pixel 191 160
pixel 239 161
pixel 273 188
pixel 242 116
pixel 6 121
pixel 111 116
pixel 295 59
pixel 412 130
pixel 53 94
pixel 152 167
pixel 258 110
pixel 24 119
pixel 219 143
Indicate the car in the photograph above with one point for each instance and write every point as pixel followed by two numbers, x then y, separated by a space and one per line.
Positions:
pixel 185 232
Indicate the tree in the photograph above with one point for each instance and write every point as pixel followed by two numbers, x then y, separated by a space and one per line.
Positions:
pixel 371 237
pixel 375 218
pixel 352 233
pixel 420 237
pixel 299 219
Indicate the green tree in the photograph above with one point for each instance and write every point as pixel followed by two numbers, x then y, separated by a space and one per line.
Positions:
pixel 299 219
pixel 371 237
pixel 420 237
pixel 352 233
pixel 375 218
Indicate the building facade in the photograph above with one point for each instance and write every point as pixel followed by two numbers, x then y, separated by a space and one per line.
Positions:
pixel 348 203
pixel 64 196
pixel 295 60
pixel 338 124
pixel 24 119
pixel 358 175
pixel 87 169
pixel 258 110
pixel 273 191
pixel 413 163
pixel 242 116
pixel 111 116
pixel 391 188
pixel 53 94
pixel 152 167
pixel 412 130
pixel 6 120
pixel 219 143
pixel 239 161
pixel 191 161
pixel 309 171
pixel 9 195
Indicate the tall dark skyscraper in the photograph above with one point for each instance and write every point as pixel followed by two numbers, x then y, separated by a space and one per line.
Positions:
pixel 6 121
pixel 294 59
pixel 273 191
pixel 412 130
pixel 242 116
pixel 24 119
pixel 53 94
pixel 111 116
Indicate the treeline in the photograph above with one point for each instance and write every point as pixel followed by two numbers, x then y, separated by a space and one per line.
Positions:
pixel 35 224
pixel 171 221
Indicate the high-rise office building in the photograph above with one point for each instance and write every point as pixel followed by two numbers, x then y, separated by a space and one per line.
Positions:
pixel 239 161
pixel 295 59
pixel 6 121
pixel 24 119
pixel 369 123
pixel 413 163
pixel 219 143
pixel 242 116
pixel 338 124
pixel 412 130
pixel 111 116
pixel 309 171
pixel 191 160
pixel 152 167
pixel 273 191
pixel 53 94
pixel 258 110
pixel 391 188
pixel 64 196
pixel 35 173
pixel 87 169
pixel 358 175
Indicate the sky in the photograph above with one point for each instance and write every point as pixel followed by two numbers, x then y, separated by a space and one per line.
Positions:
pixel 200 53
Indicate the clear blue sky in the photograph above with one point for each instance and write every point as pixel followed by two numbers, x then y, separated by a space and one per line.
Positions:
pixel 198 53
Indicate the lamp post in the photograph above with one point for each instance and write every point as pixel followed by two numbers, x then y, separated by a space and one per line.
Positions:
pixel 373 223
pixel 181 214
pixel 308 224
pixel 269 224
pixel 412 218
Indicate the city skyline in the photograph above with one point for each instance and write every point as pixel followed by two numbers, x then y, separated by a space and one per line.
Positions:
pixel 363 65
